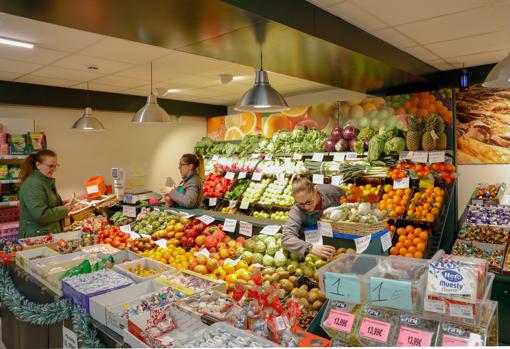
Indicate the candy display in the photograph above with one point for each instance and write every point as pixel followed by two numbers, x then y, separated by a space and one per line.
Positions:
pixel 189 283
pixel 484 233
pixel 208 302
pixel 493 253
pixel 488 193
pixel 488 215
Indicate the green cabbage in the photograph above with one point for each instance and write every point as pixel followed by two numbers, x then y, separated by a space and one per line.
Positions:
pixel 268 261
pixel 396 144
pixel 260 247
pixel 247 256
pixel 257 258
pixel 279 259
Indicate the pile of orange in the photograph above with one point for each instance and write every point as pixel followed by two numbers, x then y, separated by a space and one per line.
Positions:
pixel 394 201
pixel 424 104
pixel 412 242
pixel 425 204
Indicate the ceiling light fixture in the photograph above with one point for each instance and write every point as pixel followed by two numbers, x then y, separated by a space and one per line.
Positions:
pixel 88 122
pixel 499 76
pixel 261 97
pixel 16 43
pixel 151 112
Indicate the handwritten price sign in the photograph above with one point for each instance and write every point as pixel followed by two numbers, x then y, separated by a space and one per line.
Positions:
pixel 390 293
pixel 342 287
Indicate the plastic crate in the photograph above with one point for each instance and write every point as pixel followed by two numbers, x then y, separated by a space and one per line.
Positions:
pixel 145 263
pixel 9 214
pixel 9 229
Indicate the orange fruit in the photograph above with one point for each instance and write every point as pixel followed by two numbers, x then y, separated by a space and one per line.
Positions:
pixel 409 255
pixel 409 229
pixel 231 279
pixel 408 243
pixel 412 249
pixel 248 123
pixel 417 231
pixel 394 251
pixel 417 241
pixel 229 268
pixel 421 247
pixel 399 245
pixel 410 237
pixel 401 231
pixel 274 123
pixel 387 189
pixel 430 217
pixel 215 124
pixel 402 238
pixel 424 236
pixel 402 251
pixel 296 111
pixel 399 210
pixel 418 254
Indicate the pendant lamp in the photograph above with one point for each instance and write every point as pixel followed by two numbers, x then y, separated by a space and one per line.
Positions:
pixel 88 122
pixel 261 97
pixel 499 76
pixel 151 112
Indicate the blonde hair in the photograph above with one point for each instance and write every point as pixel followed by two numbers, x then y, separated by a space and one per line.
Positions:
pixel 302 184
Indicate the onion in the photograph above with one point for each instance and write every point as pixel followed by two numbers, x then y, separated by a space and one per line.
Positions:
pixel 349 132
pixel 342 145
pixel 351 144
pixel 329 146
pixel 336 134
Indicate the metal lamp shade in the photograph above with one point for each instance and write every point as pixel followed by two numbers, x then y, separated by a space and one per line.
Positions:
pixel 261 97
pixel 88 123
pixel 151 112
pixel 499 76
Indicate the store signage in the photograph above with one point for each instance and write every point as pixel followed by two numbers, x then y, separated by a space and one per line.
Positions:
pixel 386 242
pixel 375 329
pixel 129 211
pixel 451 341
pixel 436 156
pixel 268 157
pixel 390 293
pixel 145 236
pixel 461 310
pixel 362 243
pixel 230 175
pixel 434 306
pixel 342 287
pixel 340 320
pixel 318 179
pixel 215 157
pixel 313 236
pixel 244 205
pixel 336 180
pixel 230 225
pixel 401 183
pixel 256 176
pixel 69 338
pixel 297 156
pixel 213 201
pixel 410 337
pixel 270 229
pixel 317 157
pixel 241 175
pixel 505 200
pixel 245 228
pixel 206 219
pixel 92 189
pixel 405 155
pixel 420 157
pixel 351 156
pixel 325 229
pixel 339 157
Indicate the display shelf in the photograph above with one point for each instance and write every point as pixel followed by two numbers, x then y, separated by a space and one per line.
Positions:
pixel 256 222
pixel 9 204
pixel 13 157
pixel 9 181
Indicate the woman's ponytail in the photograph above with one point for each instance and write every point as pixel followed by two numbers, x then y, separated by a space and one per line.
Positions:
pixel 28 165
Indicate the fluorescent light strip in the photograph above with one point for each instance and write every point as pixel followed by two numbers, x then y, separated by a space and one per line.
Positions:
pixel 16 43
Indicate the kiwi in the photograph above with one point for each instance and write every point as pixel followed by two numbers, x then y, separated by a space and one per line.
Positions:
pixel 284 274
pixel 317 305
pixel 304 287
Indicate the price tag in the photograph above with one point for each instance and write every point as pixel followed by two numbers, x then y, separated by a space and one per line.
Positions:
pixel 256 176
pixel 161 243
pixel 461 310
pixel 318 157
pixel 215 157
pixel 401 183
pixel 206 219
pixel 505 200
pixel 92 189
pixel 145 236
pixel 318 179
pixel 451 341
pixel 477 202
pixel 336 180
pixel 426 183
pixel 297 156
pixel 127 229
pixel 255 156
pixel 313 236
pixel 281 323
pixel 436 156
pixel 325 228
pixel 390 293
pixel 410 337
pixel 244 205
pixel 351 156
pixel 232 203
pixel 245 228
pixel 362 243
pixel 420 157
pixel 475 340
pixel 340 321
pixel 339 157
pixel 405 155
pixel 270 229
pixel 213 201
pixel 230 175
pixel 129 211
pixel 268 157
pixel 434 135
pixel 204 252
pixel 342 287
pixel 434 306
pixel 386 242
pixel 232 261
pixel 69 338
pixel 230 225
pixel 375 329
pixel 241 175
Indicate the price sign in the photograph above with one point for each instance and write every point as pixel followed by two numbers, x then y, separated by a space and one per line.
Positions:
pixel 505 200
pixel 362 243
pixel 270 229
pixel 375 329
pixel 256 176
pixel 477 202
pixel 204 252
pixel 405 155
pixel 244 205
pixel 241 175
pixel 313 236
pixel 92 189
pixel 215 157
pixel 318 157
pixel 426 183
pixel 436 156
pixel 255 156
pixel 386 242
pixel 336 180
pixel 401 183
pixel 451 341
pixel 434 306
pixel 351 156
pixel 230 175
pixel 268 157
pixel 281 322
pixel 318 179
pixel 206 219
pixel 232 203
pixel 339 157
pixel 245 228
pixel 475 340
pixel 161 243
pixel 325 229
pixel 129 211
pixel 461 310
pixel 145 235
pixel 230 225
pixel 213 201
pixel 410 337
pixel 340 321
pixel 297 156
pixel 232 261
pixel 420 157
pixel 342 287
pixel 69 338
pixel 127 229
pixel 390 293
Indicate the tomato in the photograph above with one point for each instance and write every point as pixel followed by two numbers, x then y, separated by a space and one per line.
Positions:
pixel 108 241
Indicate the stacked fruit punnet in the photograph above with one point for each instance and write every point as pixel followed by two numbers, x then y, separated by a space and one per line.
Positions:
pixel 362 193
pixel 285 199
pixel 412 242
pixel 425 204
pixel 394 201
pixel 273 191
pixel 255 190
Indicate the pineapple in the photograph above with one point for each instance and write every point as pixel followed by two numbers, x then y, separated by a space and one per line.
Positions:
pixel 443 140
pixel 428 141
pixel 413 136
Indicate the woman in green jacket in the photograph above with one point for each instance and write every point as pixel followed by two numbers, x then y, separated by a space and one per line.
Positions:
pixel 41 208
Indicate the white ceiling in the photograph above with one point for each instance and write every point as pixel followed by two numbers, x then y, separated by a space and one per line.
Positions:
pixel 444 33
pixel 61 56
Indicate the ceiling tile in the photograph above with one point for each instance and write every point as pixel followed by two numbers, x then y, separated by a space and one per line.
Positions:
pixel 397 12
pixel 135 91
pixel 120 81
pixel 80 62
pixel 226 100
pixel 179 64
pixel 394 37
pixel 39 80
pixel 34 55
pixel 478 59
pixel 45 35
pixel 441 64
pixel 183 97
pixel 200 93
pixel 323 3
pixel 421 53
pixel 471 45
pixel 233 69
pixel 8 76
pixel 141 72
pixel 125 51
pixel 67 74
pixel 356 16
pixel 192 81
pixel 18 67
pixel 94 86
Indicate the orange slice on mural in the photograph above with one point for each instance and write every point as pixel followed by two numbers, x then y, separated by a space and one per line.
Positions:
pixel 215 124
pixel 274 123
pixel 246 122
pixel 233 134
pixel 296 111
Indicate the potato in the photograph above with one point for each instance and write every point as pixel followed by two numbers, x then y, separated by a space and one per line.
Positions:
pixel 317 305
pixel 293 279
pixel 301 293
pixel 276 277
pixel 315 289
pixel 294 292
pixel 350 250
pixel 304 287
pixel 313 296
pixel 284 274
pixel 341 250
pixel 287 285
pixel 321 295
pixel 304 303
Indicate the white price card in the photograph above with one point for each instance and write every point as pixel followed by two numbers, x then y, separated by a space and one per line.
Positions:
pixel 69 338
pixel 145 236
pixel 505 200
pixel 204 252
pixel 244 205
pixel 213 201
pixel 297 156
pixel 241 175
pixel 313 236
pixel 318 157
pixel 325 228
pixel 339 156
pixel 230 225
pixel 161 243
pixel 270 229
pixel 92 189
pixel 401 183
pixel 129 211
pixel 351 156
pixel 232 261
pixel 318 179
pixel 215 157
pixel 255 156
pixel 336 180
pixel 206 219
pixel 420 157
pixel 127 229
pixel 268 157
pixel 461 310
pixel 434 306
pixel 405 155
pixel 386 242
pixel 362 243
pixel 245 228
pixel 436 156
pixel 232 203
pixel 475 340
pixel 230 175
pixel 256 176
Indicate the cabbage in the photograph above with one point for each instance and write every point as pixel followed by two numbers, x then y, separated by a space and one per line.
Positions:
pixel 396 144
pixel 249 245
pixel 359 146
pixel 279 259
pixel 268 261
pixel 375 148
pixel 295 256
pixel 257 258
pixel 366 133
pixel 271 249
pixel 259 247
pixel 247 256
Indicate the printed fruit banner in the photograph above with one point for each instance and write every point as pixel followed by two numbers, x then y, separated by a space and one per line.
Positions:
pixel 483 125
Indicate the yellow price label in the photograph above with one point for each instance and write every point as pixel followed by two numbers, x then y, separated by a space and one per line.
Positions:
pixel 426 183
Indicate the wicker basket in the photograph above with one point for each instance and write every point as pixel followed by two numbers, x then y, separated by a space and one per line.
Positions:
pixel 106 201
pixel 353 228
pixel 81 214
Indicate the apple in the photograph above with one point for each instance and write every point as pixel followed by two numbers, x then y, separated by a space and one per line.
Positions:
pixel 201 269
pixel 215 255
pixel 212 264
pixel 199 240
pixel 224 253
pixel 232 244
pixel 201 259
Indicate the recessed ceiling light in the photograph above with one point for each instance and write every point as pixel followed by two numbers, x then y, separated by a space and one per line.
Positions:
pixel 173 90
pixel 239 77
pixel 15 43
